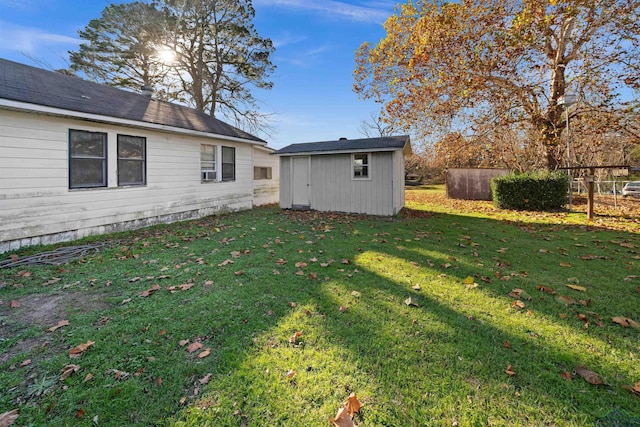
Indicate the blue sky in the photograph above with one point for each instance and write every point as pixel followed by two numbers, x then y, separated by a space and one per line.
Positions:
pixel 315 44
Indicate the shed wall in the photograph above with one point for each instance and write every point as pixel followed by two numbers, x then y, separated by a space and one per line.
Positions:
pixel 332 187
pixel 36 205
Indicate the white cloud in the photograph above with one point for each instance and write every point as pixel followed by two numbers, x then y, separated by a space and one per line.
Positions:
pixel 286 39
pixel 17 38
pixel 353 12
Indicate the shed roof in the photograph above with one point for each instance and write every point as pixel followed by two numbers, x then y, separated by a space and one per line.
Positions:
pixel 385 143
pixel 26 84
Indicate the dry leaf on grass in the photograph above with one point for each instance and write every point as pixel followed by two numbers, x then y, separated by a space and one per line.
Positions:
pixel 24 363
pixel 60 324
pixel 8 418
pixel 14 304
pixel 79 349
pixel 204 380
pixel 194 346
pixel 68 370
pixel 204 354
pixel 566 375
pixel 293 339
pixel 589 376
pixel 343 419
pixel 625 321
pixel 352 404
pixel 576 287
pixel 509 371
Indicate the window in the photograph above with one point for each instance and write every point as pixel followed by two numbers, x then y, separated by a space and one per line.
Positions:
pixel 132 162
pixel 360 165
pixel 208 163
pixel 87 159
pixel 228 163
pixel 260 172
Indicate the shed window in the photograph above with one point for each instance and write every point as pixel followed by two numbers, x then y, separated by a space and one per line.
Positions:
pixel 132 160
pixel 87 159
pixel 261 172
pixel 228 163
pixel 208 163
pixel 360 165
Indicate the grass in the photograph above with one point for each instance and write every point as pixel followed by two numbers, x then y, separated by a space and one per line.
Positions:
pixel 440 361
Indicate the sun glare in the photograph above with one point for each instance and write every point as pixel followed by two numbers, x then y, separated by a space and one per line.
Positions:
pixel 166 55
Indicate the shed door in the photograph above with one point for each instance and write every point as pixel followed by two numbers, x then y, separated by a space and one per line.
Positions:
pixel 300 182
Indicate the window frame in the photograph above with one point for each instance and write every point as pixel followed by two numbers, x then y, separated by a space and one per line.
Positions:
pixel 214 163
pixel 104 159
pixel 223 163
pixel 142 160
pixel 366 166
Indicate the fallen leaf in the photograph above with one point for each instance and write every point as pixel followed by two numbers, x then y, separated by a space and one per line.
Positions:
pixel 68 370
pixel 225 262
pixel 546 290
pixel 186 286
pixel 124 301
pixel 183 400
pixel 194 346
pixel 60 324
pixel 343 308
pixel 352 404
pixel 204 354
pixel 301 264
pixel 517 304
pixel 565 300
pixel 14 304
pixel 79 349
pixel 563 315
pixel 577 288
pixel 416 287
pixel 356 294
pixel 519 293
pixel 506 344
pixel 290 373
pixel 589 376
pixel 182 343
pixel 626 322
pixel 345 261
pixel 88 377
pixel 80 413
pixel 343 419
pixel 8 418
pixel 509 371
pixel 567 376
pixel 565 264
pixel 410 302
pixel 293 339
pixel 25 362
pixel 468 280
pixel 239 273
pixel 204 380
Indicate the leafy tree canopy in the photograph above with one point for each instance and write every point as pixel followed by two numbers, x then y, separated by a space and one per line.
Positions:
pixel 483 65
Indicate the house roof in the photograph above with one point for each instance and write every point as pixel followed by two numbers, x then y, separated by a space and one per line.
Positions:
pixel 26 84
pixel 385 143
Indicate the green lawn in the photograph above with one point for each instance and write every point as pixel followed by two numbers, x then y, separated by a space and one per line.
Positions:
pixel 413 314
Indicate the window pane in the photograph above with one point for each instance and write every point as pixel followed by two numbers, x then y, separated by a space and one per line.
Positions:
pixel 360 165
pixel 87 144
pixel 87 173
pixel 130 172
pixel 228 163
pixel 131 147
pixel 208 160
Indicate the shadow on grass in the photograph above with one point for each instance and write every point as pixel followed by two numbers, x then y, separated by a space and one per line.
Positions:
pixel 440 361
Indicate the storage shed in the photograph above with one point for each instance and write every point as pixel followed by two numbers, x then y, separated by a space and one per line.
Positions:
pixel 363 176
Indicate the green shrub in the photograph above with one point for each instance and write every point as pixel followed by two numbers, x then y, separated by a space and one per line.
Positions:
pixel 537 191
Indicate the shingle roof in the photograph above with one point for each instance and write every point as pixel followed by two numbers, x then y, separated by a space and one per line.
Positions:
pixel 386 143
pixel 23 83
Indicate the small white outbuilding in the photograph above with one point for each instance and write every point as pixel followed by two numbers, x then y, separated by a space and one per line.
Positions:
pixel 364 176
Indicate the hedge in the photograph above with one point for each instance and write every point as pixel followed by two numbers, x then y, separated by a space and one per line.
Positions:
pixel 536 191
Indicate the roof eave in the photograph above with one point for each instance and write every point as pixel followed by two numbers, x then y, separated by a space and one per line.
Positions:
pixel 59 112
pixel 362 150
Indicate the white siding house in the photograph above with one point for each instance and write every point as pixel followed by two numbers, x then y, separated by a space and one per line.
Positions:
pixel 78 158
pixel 356 176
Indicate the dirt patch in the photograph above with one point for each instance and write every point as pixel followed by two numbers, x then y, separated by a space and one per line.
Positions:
pixel 42 310
pixel 47 310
